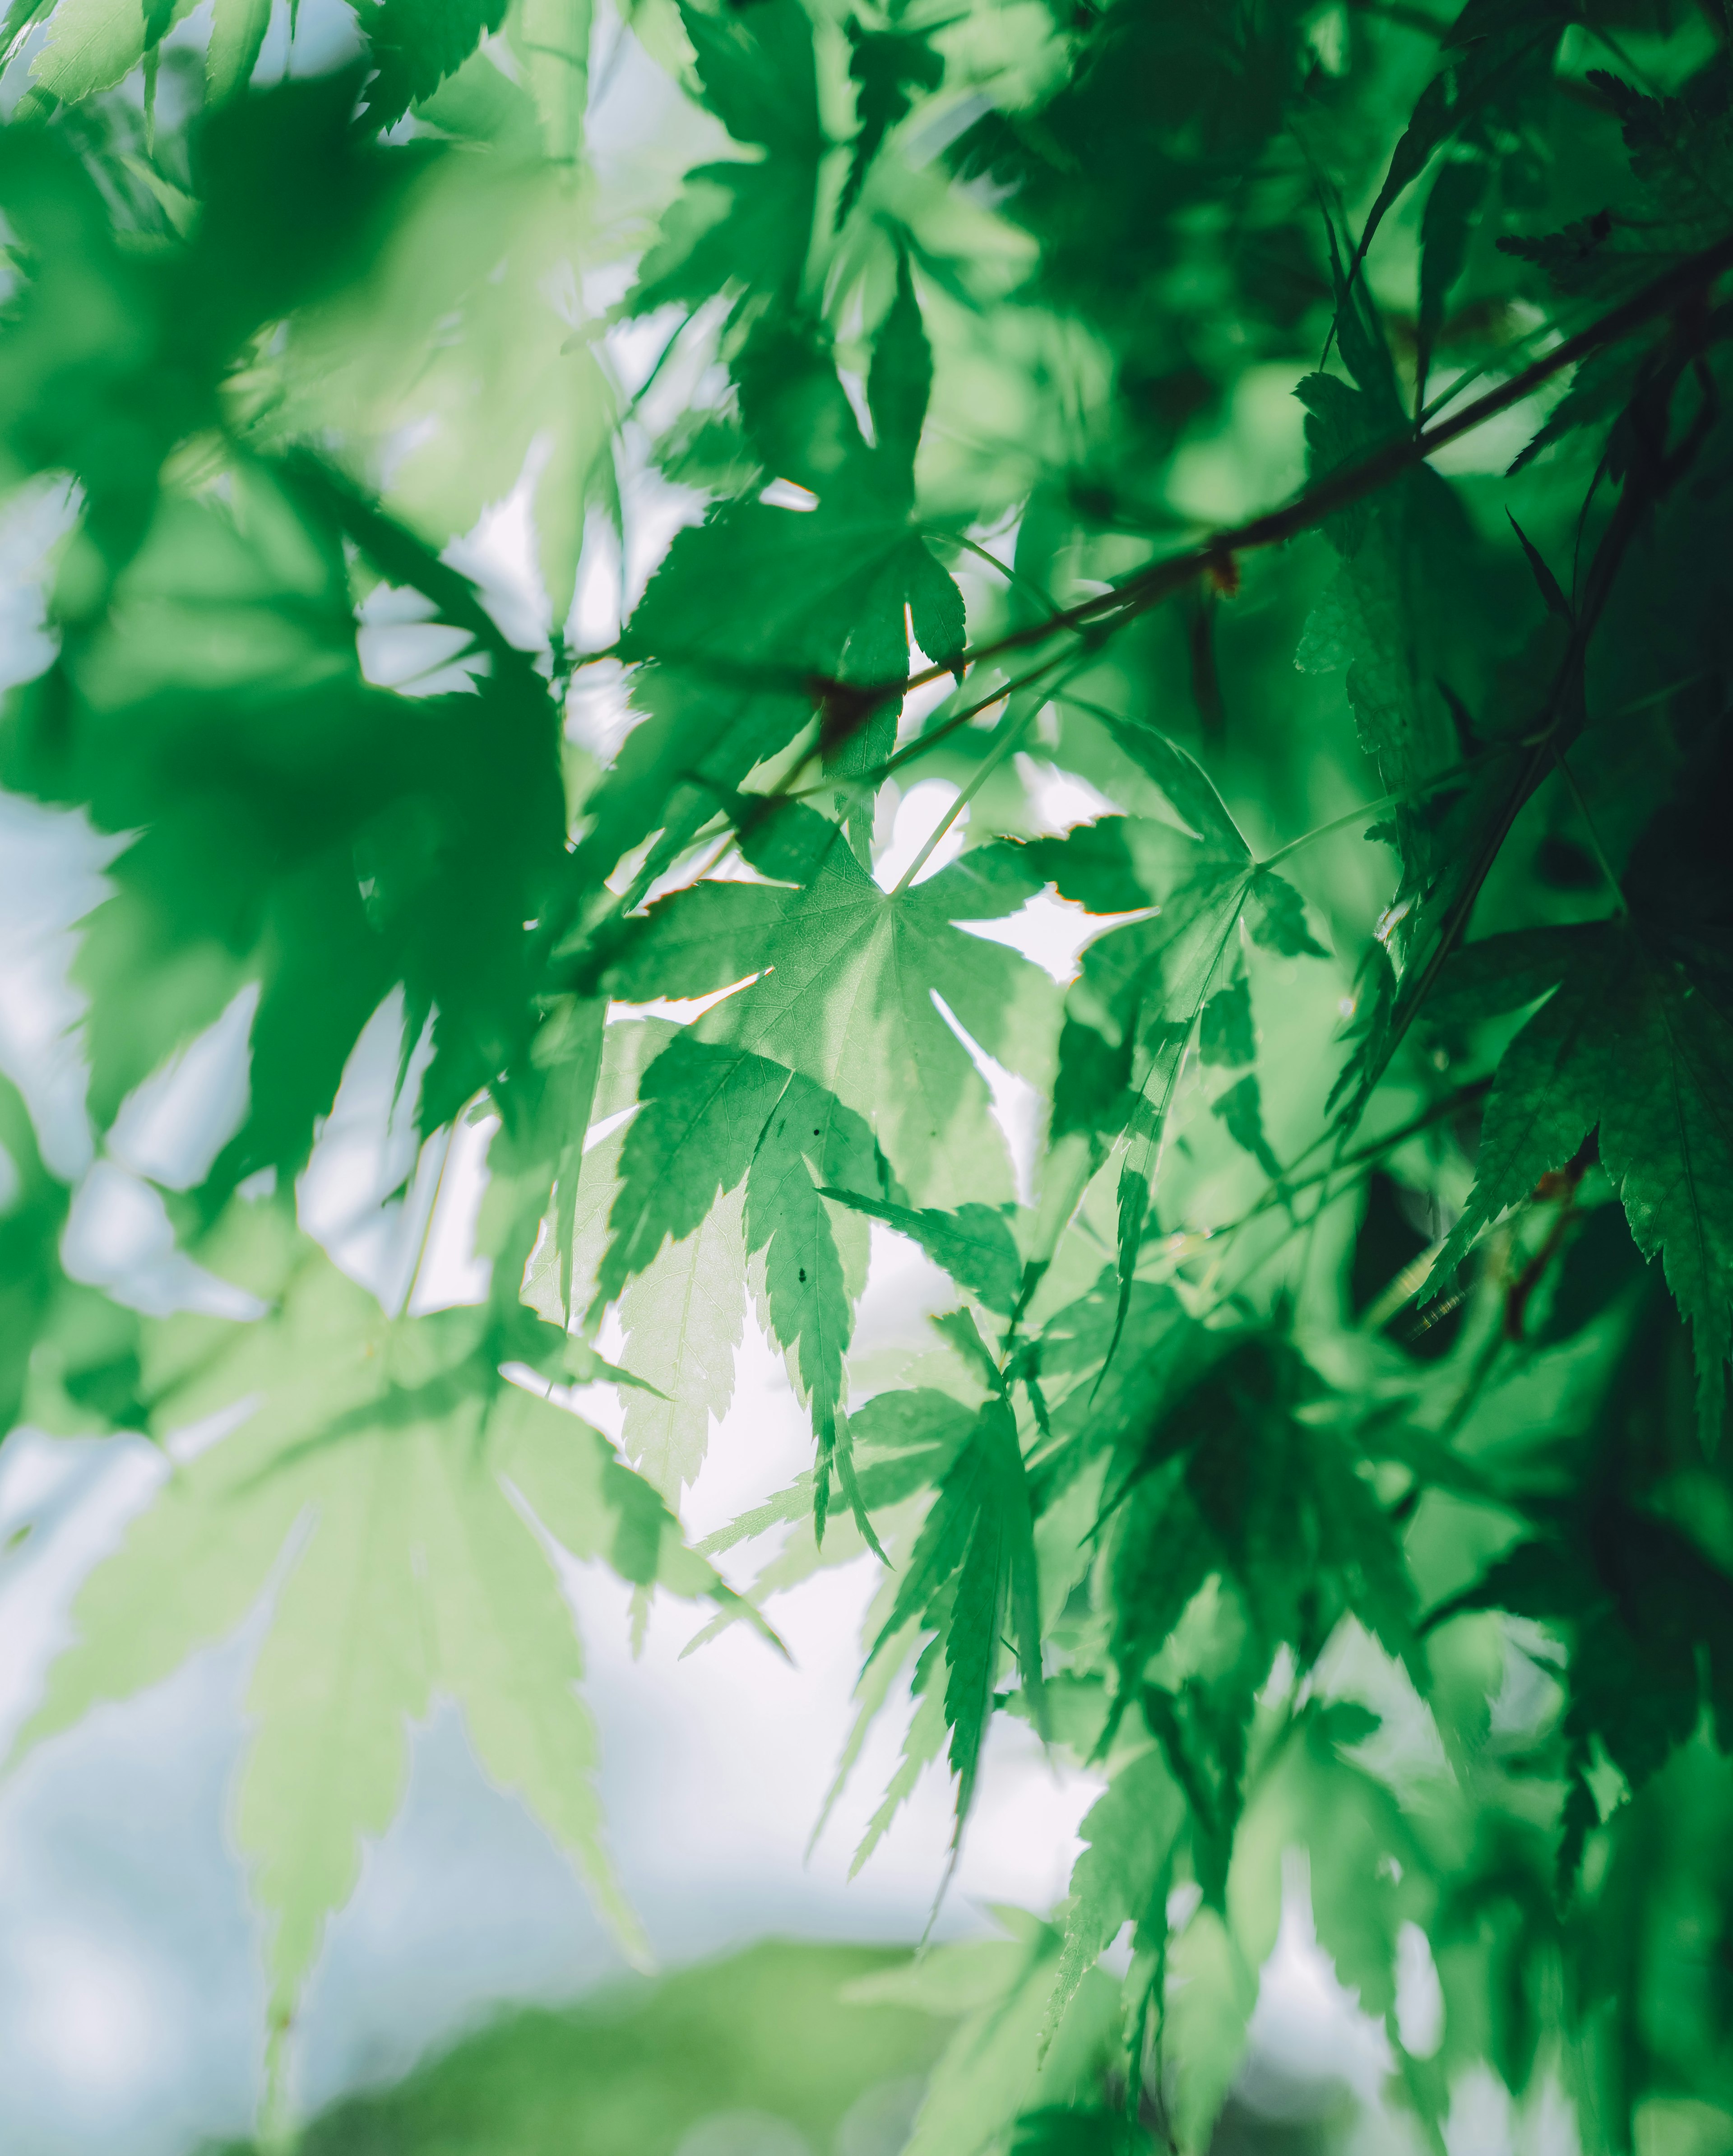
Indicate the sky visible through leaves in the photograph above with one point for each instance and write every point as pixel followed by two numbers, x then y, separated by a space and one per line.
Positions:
pixel 1028 701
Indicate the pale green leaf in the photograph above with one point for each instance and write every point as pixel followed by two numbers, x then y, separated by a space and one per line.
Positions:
pixel 238 28
pixel 683 1318
pixel 1129 1836
pixel 383 1465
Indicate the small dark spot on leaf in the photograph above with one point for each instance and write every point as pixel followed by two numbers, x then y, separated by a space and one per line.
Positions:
pixel 802 1275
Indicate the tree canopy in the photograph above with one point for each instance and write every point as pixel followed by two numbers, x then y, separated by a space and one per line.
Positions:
pixel 1224 493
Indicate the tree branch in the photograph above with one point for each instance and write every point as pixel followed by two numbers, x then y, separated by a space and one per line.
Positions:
pixel 1105 611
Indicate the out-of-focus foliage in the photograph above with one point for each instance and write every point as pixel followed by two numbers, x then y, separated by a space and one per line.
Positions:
pixel 1269 463
pixel 762 2050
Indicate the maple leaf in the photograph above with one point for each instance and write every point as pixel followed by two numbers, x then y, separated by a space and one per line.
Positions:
pixel 751 221
pixel 268 376
pixel 1646 1608
pixel 887 67
pixel 1122 1875
pixel 415 43
pixel 971 1576
pixel 1633 1042
pixel 974 1245
pixel 845 987
pixel 238 28
pixel 1228 1480
pixel 712 1118
pixel 1131 1018
pixel 756 610
pixel 403 1489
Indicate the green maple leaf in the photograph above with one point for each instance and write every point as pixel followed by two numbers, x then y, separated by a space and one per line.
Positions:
pixel 1646 1609
pixel 682 1317
pixel 1650 1618
pixel 286 823
pixel 710 1120
pixel 1388 616
pixel 1122 1875
pixel 113 356
pixel 972 1577
pixel 887 68
pixel 726 597
pixel 1624 1046
pixel 415 45
pixel 708 936
pixel 393 1477
pixel 846 999
pixel 335 839
pixel 902 1443
pixel 751 613
pixel 1680 151
pixel 974 1245
pixel 238 28
pixel 1230 1481
pixel 845 975
pixel 1268 1484
pixel 1494 67
pixel 1635 1043
pixel 746 221
pixel 1131 1017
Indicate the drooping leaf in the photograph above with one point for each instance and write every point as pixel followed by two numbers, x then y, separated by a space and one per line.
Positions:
pixel 415 43
pixel 1131 1018
pixel 887 68
pixel 1229 1482
pixel 972 1579
pixel 750 221
pixel 754 615
pixel 1635 1043
pixel 1121 1876
pixel 237 29
pixel 1648 1615
pixel 376 1462
pixel 293 824
pixel 713 1118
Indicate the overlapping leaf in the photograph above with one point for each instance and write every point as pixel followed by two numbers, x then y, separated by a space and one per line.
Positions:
pixel 749 219
pixel 282 357
pixel 293 824
pixel 713 1118
pixel 394 1489
pixel 754 612
pixel 1231 1483
pixel 1634 1043
pixel 1131 1018
pixel 972 1578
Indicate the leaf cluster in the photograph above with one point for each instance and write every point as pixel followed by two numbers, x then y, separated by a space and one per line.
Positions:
pixel 1256 474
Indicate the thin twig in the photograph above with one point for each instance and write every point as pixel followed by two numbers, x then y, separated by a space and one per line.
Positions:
pixel 1105 611
pixel 1589 825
